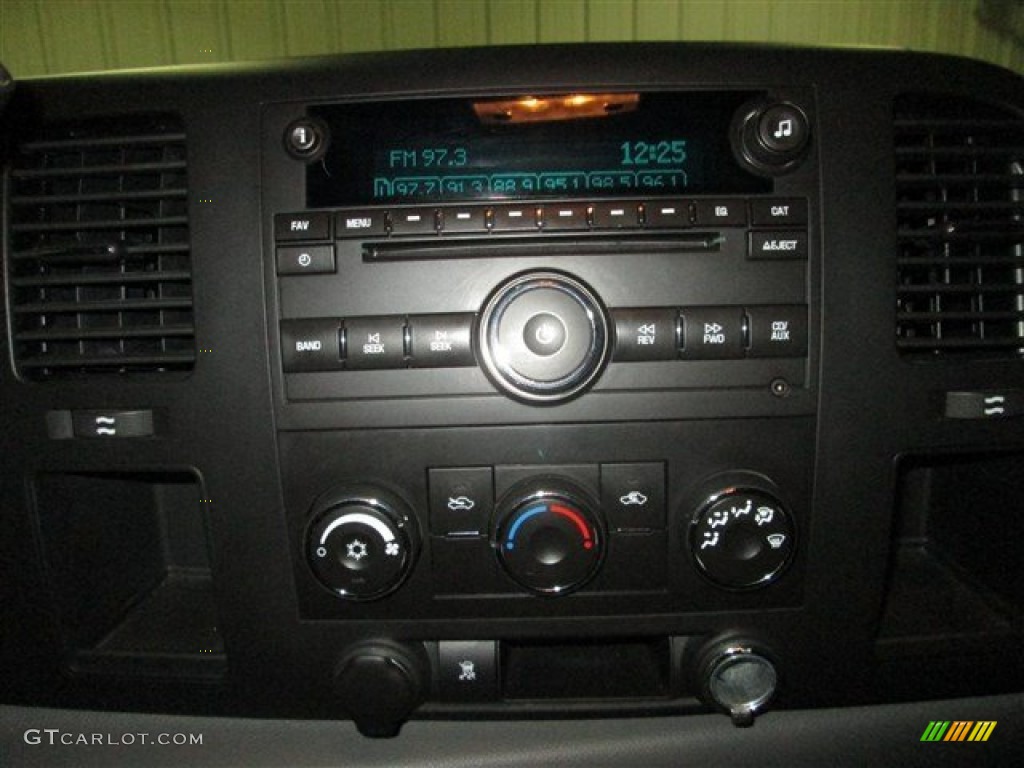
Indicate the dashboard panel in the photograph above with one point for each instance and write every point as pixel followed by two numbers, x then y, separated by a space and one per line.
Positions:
pixel 599 381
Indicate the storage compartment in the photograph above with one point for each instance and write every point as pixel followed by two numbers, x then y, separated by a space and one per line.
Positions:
pixel 627 668
pixel 127 555
pixel 956 581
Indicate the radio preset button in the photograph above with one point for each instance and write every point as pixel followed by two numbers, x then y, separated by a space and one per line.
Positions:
pixel 441 341
pixel 645 334
pixel 778 212
pixel 468 219
pixel 568 216
pixel 414 221
pixel 667 213
pixel 712 333
pixel 615 215
pixel 779 331
pixel 302 226
pixel 309 260
pixel 375 342
pixel 515 218
pixel 311 345
pixel 361 222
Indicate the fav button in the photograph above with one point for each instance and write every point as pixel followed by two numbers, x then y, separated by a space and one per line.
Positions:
pixel 302 226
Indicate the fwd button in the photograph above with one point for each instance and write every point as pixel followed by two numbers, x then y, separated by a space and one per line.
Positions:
pixel 712 333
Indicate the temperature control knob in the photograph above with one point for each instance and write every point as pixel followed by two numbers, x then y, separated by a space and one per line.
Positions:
pixel 742 538
pixel 362 542
pixel 548 537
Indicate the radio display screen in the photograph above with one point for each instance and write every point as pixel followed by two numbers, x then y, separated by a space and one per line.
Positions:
pixel 574 145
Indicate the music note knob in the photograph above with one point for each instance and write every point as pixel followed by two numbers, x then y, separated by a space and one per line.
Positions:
pixel 783 129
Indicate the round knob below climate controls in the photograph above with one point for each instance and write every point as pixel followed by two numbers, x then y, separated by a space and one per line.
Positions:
pixel 543 337
pixel 742 538
pixel 548 538
pixel 361 544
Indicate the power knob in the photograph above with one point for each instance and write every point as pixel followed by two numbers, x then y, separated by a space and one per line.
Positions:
pixel 362 542
pixel 548 537
pixel 543 337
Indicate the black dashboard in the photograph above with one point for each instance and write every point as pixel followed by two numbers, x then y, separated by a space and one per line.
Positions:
pixel 601 381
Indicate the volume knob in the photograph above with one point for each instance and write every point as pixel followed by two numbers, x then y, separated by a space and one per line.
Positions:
pixel 543 337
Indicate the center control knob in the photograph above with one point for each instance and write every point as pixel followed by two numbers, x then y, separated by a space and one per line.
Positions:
pixel 548 537
pixel 543 337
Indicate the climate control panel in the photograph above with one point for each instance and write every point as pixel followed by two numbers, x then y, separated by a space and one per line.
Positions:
pixel 550 531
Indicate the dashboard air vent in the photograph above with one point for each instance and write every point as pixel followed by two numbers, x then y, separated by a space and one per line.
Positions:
pixel 99 264
pixel 960 229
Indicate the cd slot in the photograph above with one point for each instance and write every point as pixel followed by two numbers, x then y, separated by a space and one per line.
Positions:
pixel 519 247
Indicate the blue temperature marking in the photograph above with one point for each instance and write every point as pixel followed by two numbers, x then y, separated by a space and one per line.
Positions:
pixel 531 512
